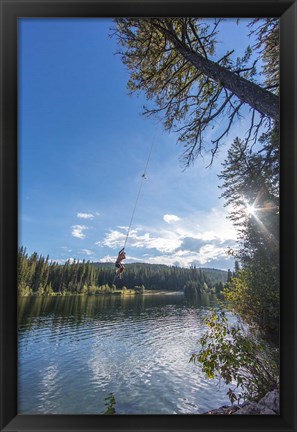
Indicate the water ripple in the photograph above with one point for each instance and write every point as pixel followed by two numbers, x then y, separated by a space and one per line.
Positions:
pixel 68 364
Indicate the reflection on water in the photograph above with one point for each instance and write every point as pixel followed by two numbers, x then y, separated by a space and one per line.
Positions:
pixel 74 352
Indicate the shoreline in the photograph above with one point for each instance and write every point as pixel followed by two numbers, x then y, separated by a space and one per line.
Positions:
pixel 119 293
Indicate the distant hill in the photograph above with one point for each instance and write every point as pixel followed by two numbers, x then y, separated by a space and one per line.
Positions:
pixel 214 276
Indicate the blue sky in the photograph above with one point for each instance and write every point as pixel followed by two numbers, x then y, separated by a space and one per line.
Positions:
pixel 83 146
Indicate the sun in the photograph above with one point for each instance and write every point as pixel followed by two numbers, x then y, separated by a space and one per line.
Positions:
pixel 250 209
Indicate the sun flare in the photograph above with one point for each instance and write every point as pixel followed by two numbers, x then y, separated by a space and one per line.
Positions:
pixel 250 209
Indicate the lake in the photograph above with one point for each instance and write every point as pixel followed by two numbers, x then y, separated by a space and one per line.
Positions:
pixel 79 354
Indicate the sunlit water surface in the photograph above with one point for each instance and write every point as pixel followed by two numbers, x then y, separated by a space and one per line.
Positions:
pixel 76 351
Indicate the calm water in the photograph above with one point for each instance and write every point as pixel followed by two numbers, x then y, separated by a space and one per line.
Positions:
pixel 76 351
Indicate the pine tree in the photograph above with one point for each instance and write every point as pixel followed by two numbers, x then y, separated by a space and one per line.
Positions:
pixel 174 61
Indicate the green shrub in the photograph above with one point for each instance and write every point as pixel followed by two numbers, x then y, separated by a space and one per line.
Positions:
pixel 230 354
pixel 139 289
pixel 24 291
pixel 255 298
pixel 110 404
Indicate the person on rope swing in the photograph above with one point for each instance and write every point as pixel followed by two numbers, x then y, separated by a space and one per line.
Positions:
pixel 119 265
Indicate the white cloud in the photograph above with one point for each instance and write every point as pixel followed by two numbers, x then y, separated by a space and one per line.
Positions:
pixel 170 218
pixel 85 215
pixel 78 231
pixel 113 239
pixel 107 258
pixel 201 238
pixel 124 228
pixel 165 241
pixel 205 257
pixel 210 252
pixel 87 252
pixel 208 226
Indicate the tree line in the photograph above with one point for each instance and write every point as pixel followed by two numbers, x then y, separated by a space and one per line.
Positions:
pixel 38 275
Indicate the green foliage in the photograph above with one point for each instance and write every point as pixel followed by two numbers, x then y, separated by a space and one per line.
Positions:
pixel 192 288
pixel 233 356
pixel 139 289
pixel 232 396
pixel 267 33
pixel 252 182
pixel 48 290
pixel 198 287
pixel 110 404
pixel 24 291
pixel 255 297
pixel 251 188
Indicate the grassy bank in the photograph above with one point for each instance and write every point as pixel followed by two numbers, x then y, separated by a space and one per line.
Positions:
pixel 93 290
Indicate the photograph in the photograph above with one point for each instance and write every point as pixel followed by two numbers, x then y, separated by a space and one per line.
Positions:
pixel 148 261
pixel 148 216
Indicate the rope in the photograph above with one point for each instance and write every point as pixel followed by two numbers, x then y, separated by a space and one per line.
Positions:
pixel 115 276
pixel 143 177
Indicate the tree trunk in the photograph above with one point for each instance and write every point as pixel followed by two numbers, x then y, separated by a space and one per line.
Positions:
pixel 263 101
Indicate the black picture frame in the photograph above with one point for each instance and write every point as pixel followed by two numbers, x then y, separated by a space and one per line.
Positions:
pixel 10 11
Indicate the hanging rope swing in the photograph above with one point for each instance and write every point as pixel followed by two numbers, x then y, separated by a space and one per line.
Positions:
pixel 121 256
